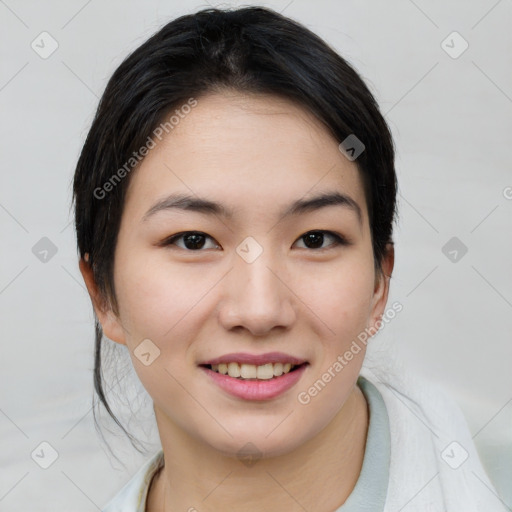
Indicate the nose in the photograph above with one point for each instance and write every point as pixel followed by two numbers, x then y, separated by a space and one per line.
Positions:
pixel 257 296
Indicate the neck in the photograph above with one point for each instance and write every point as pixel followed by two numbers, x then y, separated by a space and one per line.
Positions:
pixel 318 476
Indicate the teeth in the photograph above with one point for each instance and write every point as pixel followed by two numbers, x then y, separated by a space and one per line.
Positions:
pixel 233 370
pixel 250 371
pixel 265 371
pixel 278 369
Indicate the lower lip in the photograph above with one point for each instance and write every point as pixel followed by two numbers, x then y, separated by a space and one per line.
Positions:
pixel 254 389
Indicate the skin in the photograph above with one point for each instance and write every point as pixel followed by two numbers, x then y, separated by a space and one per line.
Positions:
pixel 255 154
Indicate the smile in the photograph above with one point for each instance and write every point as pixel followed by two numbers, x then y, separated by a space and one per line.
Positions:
pixel 250 371
pixel 251 382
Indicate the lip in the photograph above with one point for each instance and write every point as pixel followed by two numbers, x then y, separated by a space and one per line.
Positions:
pixel 256 359
pixel 254 389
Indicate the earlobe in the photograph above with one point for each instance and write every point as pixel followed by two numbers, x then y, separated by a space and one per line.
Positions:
pixel 110 323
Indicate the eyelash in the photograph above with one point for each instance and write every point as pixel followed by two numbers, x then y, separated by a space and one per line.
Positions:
pixel 339 240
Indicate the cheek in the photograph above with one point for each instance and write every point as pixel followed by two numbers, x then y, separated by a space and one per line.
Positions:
pixel 341 295
pixel 156 303
pixel 343 304
pixel 154 298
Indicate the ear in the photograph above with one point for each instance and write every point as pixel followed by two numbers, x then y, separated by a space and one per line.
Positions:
pixel 381 290
pixel 110 323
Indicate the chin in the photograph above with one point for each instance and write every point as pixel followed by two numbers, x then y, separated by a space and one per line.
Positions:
pixel 249 452
pixel 256 445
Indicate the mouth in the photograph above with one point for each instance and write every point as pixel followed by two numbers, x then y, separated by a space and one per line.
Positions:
pixel 255 376
pixel 254 382
pixel 244 371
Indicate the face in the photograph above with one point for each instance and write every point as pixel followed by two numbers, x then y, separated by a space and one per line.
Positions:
pixel 251 280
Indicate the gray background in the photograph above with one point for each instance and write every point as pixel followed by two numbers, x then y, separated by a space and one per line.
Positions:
pixel 451 119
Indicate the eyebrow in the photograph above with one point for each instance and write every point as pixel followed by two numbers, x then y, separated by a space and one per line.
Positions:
pixel 206 207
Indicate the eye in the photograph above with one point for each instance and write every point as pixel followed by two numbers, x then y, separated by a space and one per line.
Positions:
pixel 193 240
pixel 314 239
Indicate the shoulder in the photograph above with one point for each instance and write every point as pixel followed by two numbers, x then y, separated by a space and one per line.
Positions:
pixel 132 497
pixel 431 445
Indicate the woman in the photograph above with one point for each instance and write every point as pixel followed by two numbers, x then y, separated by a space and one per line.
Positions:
pixel 235 199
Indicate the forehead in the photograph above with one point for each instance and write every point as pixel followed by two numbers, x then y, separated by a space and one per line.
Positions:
pixel 239 147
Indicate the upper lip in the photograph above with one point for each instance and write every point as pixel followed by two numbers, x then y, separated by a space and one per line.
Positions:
pixel 255 359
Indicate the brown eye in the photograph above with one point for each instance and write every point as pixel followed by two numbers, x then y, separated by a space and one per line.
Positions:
pixel 315 239
pixel 192 240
